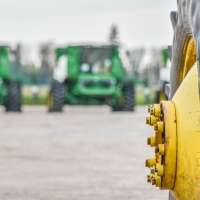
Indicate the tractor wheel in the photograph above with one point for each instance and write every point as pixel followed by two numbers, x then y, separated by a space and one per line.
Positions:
pixel 129 97
pixel 186 43
pixel 14 97
pixel 55 100
pixel 185 51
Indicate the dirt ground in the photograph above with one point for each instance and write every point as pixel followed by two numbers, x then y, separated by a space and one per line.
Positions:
pixel 84 153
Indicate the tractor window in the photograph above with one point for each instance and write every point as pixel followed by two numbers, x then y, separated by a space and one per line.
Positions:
pixel 95 60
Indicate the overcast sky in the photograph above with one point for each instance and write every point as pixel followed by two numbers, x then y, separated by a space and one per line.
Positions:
pixel 140 22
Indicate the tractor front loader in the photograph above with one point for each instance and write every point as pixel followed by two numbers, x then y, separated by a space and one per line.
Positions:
pixel 176 165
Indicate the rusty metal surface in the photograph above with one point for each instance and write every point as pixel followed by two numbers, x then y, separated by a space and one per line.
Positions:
pixel 86 153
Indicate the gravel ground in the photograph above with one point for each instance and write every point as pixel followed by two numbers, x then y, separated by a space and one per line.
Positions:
pixel 84 153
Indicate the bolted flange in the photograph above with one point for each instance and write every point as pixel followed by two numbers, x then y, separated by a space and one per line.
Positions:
pixel 162 166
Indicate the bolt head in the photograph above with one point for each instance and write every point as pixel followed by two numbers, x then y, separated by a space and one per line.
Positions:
pixel 156 149
pixel 149 108
pixel 152 170
pixel 146 163
pixel 148 178
pixel 153 181
pixel 147 120
pixel 148 141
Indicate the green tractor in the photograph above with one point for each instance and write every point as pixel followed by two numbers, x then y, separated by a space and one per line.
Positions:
pixel 10 79
pixel 91 75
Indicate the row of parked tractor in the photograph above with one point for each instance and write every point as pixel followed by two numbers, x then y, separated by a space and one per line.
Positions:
pixel 83 75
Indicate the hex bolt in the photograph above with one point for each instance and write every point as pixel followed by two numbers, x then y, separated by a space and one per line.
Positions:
pixel 156 149
pixel 150 162
pixel 156 127
pixel 148 141
pixel 148 120
pixel 153 181
pixel 151 141
pixel 152 110
pixel 160 170
pixel 149 108
pixel 156 170
pixel 157 110
pixel 148 178
pixel 146 163
pixel 152 170
pixel 159 126
pixel 151 120
pixel 161 148
pixel 158 181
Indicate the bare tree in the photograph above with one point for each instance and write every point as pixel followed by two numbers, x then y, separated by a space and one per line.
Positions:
pixel 113 36
pixel 46 55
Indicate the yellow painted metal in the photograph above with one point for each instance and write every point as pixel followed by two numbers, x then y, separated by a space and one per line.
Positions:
pixel 161 148
pixel 151 120
pixel 150 162
pixel 188 58
pixel 186 100
pixel 170 142
pixel 177 137
pixel 159 138
pixel 160 170
pixel 158 181
pixel 50 101
pixel 159 127
pixel 162 96
pixel 151 141
pixel 155 110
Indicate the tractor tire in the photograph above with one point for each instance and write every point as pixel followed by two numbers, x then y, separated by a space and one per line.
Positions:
pixel 56 97
pixel 185 24
pixel 129 97
pixel 14 100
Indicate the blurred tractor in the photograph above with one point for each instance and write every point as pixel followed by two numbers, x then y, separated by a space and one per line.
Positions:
pixel 10 79
pixel 91 75
pixel 176 165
